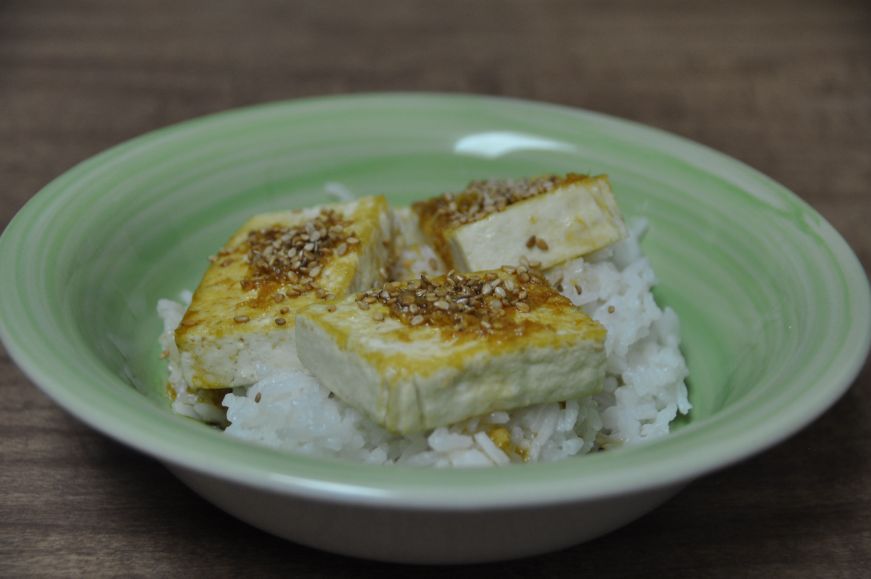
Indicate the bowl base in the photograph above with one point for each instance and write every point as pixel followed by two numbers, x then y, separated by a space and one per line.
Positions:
pixel 421 535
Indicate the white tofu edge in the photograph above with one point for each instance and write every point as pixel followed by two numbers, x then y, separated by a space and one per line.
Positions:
pixel 239 360
pixel 574 220
pixel 483 384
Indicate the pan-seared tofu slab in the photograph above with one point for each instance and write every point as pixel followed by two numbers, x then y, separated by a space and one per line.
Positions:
pixel 240 323
pixel 545 220
pixel 430 352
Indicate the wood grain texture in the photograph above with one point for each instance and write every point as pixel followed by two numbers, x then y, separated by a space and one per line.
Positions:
pixel 784 86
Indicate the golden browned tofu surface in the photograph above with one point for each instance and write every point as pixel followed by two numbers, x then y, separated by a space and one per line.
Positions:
pixel 241 318
pixel 502 222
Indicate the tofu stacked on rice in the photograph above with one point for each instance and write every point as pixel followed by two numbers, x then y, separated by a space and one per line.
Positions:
pixel 643 390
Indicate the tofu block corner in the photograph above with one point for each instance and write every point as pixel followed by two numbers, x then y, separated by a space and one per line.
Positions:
pixel 242 316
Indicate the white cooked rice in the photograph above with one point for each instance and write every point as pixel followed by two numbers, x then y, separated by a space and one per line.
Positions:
pixel 644 387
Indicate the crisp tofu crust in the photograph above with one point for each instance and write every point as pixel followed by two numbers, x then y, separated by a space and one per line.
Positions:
pixel 240 323
pixel 546 220
pixel 452 354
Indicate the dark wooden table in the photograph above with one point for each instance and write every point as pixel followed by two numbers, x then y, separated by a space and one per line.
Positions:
pixel 784 86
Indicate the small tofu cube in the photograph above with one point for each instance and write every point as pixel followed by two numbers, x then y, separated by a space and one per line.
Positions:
pixel 240 323
pixel 546 220
pixel 430 352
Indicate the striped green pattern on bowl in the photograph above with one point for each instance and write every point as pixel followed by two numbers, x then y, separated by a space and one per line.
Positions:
pixel 774 306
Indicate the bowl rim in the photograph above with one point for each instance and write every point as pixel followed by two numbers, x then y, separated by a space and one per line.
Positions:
pixel 628 470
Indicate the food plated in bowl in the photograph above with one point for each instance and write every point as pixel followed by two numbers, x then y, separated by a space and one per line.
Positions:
pixel 431 362
pixel 773 308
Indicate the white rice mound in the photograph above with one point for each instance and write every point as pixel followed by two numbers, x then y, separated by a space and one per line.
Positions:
pixel 644 388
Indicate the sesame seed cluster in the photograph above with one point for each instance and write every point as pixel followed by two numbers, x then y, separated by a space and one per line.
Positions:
pixel 482 198
pixel 478 302
pixel 296 256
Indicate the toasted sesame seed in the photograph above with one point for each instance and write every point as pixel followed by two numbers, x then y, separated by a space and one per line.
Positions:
pixel 455 301
pixel 280 321
pixel 257 397
pixel 241 319
pixel 378 316
pixel 363 305
pixel 342 249
pixel 611 309
pixel 331 307
pixel 482 198
pixel 294 254
pixel 530 243
pixel 578 288
pixel 541 244
pixel 284 310
pixel 352 240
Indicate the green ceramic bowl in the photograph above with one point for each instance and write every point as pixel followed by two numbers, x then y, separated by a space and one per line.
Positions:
pixel 774 308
